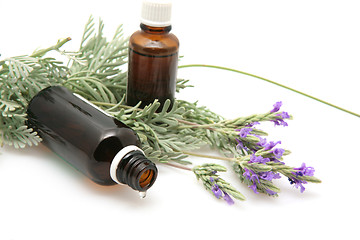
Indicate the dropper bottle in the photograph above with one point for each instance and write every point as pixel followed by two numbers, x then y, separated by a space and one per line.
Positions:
pixel 98 145
pixel 153 56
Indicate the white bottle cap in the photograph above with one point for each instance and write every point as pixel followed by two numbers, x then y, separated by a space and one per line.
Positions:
pixel 156 13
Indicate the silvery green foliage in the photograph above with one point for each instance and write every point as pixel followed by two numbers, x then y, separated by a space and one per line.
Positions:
pixel 21 78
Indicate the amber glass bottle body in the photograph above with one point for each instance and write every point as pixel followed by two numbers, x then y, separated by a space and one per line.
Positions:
pixel 89 139
pixel 153 60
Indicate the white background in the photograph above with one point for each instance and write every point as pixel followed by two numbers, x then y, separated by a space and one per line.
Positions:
pixel 310 45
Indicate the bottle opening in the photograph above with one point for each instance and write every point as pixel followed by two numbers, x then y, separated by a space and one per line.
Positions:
pixel 131 167
pixel 146 178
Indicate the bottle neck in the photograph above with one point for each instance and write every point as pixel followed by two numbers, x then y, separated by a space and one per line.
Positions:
pixel 155 30
pixel 131 167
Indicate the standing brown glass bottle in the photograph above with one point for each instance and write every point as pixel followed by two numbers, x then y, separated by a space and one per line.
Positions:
pixel 153 57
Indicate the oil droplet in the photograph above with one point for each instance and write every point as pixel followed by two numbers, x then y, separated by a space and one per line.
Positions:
pixel 142 195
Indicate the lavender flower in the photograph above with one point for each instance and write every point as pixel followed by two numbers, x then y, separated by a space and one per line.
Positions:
pixel 301 171
pixel 280 122
pixel 251 175
pixel 298 183
pixel 254 188
pixel 243 132
pixel 304 171
pixel 253 178
pixel 265 152
pixel 228 199
pixel 256 181
pixel 284 115
pixel 276 106
pixel 258 159
pixel 252 124
pixel 271 144
pixel 269 176
pixel 275 160
pixel 278 152
pixel 262 142
pixel 215 188
pixel 240 145
pixel 218 186
pixel 217 191
pixel 270 192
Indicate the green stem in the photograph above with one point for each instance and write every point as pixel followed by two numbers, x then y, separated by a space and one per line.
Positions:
pixel 108 104
pixel 209 156
pixel 178 166
pixel 42 52
pixel 269 81
pixel 194 125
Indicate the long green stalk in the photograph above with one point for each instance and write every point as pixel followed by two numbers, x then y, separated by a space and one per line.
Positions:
pixel 272 82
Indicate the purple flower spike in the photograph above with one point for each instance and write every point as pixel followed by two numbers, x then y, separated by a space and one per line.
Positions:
pixel 309 171
pixel 258 159
pixel 298 183
pixel 278 152
pixel 228 199
pixel 254 178
pixel 251 175
pixel 280 122
pixel 247 173
pixel 271 144
pixel 302 188
pixel 253 187
pixel 284 115
pixel 270 192
pixel 276 106
pixel 252 124
pixel 244 132
pixel 262 142
pixel 269 175
pixel 240 145
pixel 304 170
pixel 216 190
